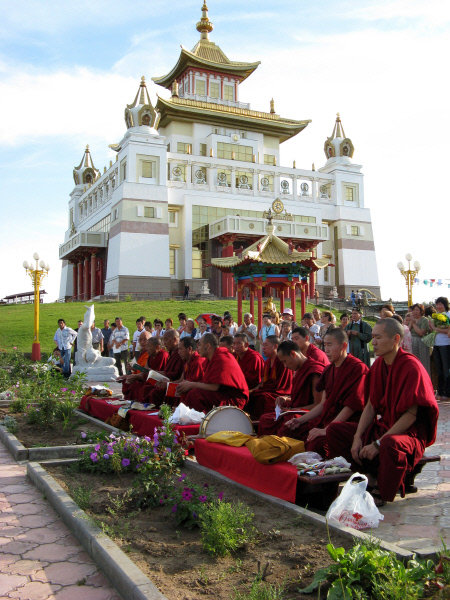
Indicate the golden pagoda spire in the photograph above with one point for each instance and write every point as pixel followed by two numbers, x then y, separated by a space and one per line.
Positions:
pixel 338 130
pixel 204 26
pixel 86 156
pixel 143 89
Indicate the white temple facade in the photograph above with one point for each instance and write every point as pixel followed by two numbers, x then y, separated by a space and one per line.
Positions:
pixel 192 178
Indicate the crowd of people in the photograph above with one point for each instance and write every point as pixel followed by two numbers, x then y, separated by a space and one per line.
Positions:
pixel 312 381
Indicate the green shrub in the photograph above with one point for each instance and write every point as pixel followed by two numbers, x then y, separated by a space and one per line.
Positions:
pixel 226 527
pixel 10 424
pixel 261 591
pixel 188 500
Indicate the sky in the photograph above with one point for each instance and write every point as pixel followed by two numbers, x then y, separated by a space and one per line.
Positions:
pixel 68 69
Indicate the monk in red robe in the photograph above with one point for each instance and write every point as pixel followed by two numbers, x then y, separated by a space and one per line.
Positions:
pixel 155 394
pixel 342 384
pixel 223 382
pixel 250 361
pixel 194 366
pixel 276 381
pixel 399 420
pixel 132 385
pixel 300 336
pixel 304 394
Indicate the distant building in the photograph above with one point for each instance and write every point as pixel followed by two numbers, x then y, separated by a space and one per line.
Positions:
pixel 22 298
pixel 192 178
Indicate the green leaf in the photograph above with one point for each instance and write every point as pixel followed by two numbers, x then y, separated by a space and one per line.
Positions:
pixel 319 577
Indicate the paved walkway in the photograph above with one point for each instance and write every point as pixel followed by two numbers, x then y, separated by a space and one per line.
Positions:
pixel 39 558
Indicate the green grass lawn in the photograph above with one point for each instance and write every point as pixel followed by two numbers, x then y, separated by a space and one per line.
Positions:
pixel 16 321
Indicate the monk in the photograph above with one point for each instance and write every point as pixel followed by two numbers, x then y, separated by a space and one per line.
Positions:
pixel 223 382
pixel 276 381
pixel 155 394
pixel 193 368
pixel 399 420
pixel 250 361
pixel 226 341
pixel 342 385
pixel 304 395
pixel 300 336
pixel 134 384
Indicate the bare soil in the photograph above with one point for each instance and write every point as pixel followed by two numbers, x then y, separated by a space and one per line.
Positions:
pixel 288 547
pixel 31 435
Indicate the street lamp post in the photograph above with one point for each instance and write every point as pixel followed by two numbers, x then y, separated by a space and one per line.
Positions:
pixel 409 275
pixel 37 274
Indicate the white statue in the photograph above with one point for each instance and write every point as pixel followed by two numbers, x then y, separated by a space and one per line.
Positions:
pixel 88 360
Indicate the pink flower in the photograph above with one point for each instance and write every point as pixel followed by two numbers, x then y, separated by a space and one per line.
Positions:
pixel 73 392
pixel 64 389
pixel 203 498
pixel 94 457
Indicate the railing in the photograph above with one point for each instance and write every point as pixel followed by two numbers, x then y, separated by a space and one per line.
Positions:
pixel 253 226
pixel 84 239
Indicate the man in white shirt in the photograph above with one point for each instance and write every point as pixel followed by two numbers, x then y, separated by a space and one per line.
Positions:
pixel 312 327
pixel 97 338
pixel 119 343
pixel 249 329
pixel 136 335
pixel 64 338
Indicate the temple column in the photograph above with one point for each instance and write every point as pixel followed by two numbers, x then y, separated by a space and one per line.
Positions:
pixel 239 300
pixel 303 297
pixel 281 301
pixel 93 276
pixel 259 295
pixel 252 304
pixel 74 281
pixel 227 278
pixel 86 279
pixel 80 280
pixel 100 276
pixel 312 284
pixel 293 301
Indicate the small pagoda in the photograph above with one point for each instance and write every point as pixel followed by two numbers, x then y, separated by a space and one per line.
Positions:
pixel 270 262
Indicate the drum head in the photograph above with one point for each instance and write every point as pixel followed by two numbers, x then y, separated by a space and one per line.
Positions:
pixel 226 418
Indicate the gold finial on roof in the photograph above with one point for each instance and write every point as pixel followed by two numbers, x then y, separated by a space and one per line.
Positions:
pixel 313 167
pixel 338 130
pixel 143 89
pixel 175 91
pixel 272 106
pixel 204 26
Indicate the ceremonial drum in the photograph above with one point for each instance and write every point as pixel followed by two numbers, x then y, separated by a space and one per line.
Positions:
pixel 226 418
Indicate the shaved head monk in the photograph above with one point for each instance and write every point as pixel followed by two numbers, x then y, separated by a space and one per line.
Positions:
pixel 342 386
pixel 250 361
pixel 307 372
pixel 155 394
pixel 300 335
pixel 399 420
pixel 133 385
pixel 276 381
pixel 193 368
pixel 223 382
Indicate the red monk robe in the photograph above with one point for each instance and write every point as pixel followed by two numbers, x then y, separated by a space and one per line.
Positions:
pixel 317 354
pixel 252 365
pixel 172 370
pixel 192 371
pixel 221 370
pixel 392 390
pixel 302 395
pixel 156 362
pixel 277 381
pixel 127 386
pixel 344 386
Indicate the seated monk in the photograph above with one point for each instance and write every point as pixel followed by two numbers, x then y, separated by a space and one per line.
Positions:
pixel 300 336
pixel 399 420
pixel 155 394
pixel 194 364
pixel 226 341
pixel 276 381
pixel 133 385
pixel 342 385
pixel 142 354
pixel 304 394
pixel 250 361
pixel 223 382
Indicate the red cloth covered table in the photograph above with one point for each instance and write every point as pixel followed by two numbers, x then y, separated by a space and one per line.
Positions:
pixel 143 423
pixel 279 480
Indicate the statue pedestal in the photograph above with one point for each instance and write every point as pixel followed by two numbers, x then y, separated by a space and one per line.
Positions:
pixel 101 373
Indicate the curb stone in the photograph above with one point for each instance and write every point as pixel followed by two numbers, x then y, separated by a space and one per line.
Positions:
pixel 12 444
pixel 124 575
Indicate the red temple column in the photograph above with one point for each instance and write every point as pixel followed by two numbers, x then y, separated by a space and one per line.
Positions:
pixel 281 301
pixel 86 278
pixel 303 297
pixel 93 275
pixel 259 296
pixel 293 301
pixel 312 284
pixel 100 276
pixel 239 300
pixel 80 280
pixel 74 281
pixel 227 278
pixel 252 304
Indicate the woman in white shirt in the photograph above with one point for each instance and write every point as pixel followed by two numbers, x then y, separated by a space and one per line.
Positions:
pixel 441 350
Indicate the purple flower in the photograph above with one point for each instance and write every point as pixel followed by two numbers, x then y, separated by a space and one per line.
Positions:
pixel 112 436
pixel 94 457
pixel 97 447
pixel 220 496
pixel 205 485
pixel 194 515
pixel 110 451
pixel 203 499
pixel 73 392
pixel 106 456
pixel 182 477
pixel 186 495
pixel 83 435
pixel 174 508
pixel 161 501
pixel 64 389
pixel 125 462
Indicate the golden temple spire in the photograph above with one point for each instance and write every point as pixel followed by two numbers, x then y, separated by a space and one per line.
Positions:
pixel 338 130
pixel 143 89
pixel 204 26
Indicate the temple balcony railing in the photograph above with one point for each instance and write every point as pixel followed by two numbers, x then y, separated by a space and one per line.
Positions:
pixel 83 240
pixel 201 98
pixel 249 226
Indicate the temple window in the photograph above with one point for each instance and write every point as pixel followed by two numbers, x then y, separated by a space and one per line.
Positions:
pixel 355 230
pixel 172 261
pixel 202 149
pixel 270 159
pixel 228 92
pixel 214 89
pixel 200 87
pixel 147 169
pixel 236 151
pixel 149 212
pixel 183 147
pixel 123 170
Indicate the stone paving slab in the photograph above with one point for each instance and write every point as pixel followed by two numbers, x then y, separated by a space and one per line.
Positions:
pixel 39 558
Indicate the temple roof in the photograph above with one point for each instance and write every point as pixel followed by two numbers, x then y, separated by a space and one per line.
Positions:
pixel 269 249
pixel 184 109
pixel 207 55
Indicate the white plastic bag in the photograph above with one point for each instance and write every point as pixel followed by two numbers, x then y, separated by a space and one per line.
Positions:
pixel 186 416
pixel 355 507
